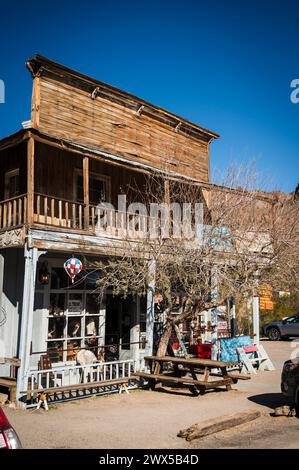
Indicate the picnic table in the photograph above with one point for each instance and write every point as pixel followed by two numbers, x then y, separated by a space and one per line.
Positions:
pixel 185 371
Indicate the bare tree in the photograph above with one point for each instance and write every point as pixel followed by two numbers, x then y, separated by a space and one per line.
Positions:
pixel 243 236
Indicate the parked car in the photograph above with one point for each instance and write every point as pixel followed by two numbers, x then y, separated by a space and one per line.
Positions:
pixel 8 436
pixel 290 381
pixel 282 329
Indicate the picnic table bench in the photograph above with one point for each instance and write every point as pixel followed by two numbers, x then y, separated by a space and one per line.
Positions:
pixel 183 368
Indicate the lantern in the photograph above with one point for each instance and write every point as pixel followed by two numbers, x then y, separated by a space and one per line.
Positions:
pixel 44 275
pixel 73 267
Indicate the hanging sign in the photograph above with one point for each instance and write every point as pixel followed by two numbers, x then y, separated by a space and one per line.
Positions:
pixel 266 297
pixel 73 267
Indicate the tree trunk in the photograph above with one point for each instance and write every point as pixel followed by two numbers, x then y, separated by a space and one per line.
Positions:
pixel 164 340
pixel 162 349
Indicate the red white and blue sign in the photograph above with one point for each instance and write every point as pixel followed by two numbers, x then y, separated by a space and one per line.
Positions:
pixel 73 267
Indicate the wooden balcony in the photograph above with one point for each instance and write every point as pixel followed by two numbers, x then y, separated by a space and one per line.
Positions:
pixel 60 214
pixel 63 213
pixel 63 222
pixel 56 212
pixel 13 212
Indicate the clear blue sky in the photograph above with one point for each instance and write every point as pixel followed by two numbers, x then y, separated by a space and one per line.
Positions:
pixel 224 64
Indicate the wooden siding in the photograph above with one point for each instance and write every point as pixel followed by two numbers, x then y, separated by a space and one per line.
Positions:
pixel 68 112
pixel 11 159
pixel 54 174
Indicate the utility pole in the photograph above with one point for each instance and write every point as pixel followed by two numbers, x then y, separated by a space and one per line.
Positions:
pixel 256 311
pixel 256 318
pixel 233 321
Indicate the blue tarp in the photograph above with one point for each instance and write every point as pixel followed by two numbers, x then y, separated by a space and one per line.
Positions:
pixel 228 351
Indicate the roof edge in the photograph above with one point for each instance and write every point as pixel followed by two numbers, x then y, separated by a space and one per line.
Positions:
pixel 40 64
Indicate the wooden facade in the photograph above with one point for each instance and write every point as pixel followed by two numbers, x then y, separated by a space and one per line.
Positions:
pixel 86 142
pixel 73 107
pixel 84 131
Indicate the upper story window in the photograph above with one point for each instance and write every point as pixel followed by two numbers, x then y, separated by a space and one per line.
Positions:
pixel 99 187
pixel 12 183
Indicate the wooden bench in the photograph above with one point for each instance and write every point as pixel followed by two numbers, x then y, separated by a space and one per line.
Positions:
pixel 235 377
pixel 202 385
pixel 182 366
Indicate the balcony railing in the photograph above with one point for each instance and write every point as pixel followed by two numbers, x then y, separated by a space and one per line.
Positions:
pixel 13 212
pixel 64 214
pixel 67 214
pixel 58 212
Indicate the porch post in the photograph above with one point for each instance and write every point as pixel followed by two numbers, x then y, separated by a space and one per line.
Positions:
pixel 256 318
pixel 31 256
pixel 256 310
pixel 233 322
pixel 135 335
pixel 30 180
pixel 102 326
pixel 150 310
pixel 2 342
pixel 214 316
pixel 86 191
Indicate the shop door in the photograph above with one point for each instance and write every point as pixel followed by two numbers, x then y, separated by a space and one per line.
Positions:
pixel 120 319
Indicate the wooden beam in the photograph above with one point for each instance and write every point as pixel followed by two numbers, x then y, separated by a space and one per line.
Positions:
pixel 207 197
pixel 86 191
pixel 30 180
pixel 14 139
pixel 218 424
pixel 166 192
pixel 35 103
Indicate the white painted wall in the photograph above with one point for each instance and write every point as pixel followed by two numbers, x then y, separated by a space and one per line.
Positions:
pixel 11 292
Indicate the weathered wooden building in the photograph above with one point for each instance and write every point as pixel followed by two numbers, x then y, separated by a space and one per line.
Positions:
pixel 86 142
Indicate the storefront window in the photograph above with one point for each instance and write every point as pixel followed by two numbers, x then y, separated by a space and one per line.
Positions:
pixel 92 303
pixel 57 304
pixel 74 327
pixel 59 278
pixel 75 303
pixel 91 278
pixel 73 320
pixel 55 351
pixel 73 347
pixel 92 326
pixel 56 328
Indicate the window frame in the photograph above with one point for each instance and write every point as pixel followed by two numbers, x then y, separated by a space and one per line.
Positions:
pixel 8 175
pixel 81 317
pixel 98 176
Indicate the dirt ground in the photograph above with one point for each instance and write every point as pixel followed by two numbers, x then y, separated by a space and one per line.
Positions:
pixel 152 419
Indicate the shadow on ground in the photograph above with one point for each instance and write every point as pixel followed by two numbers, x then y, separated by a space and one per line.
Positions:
pixel 182 391
pixel 272 400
